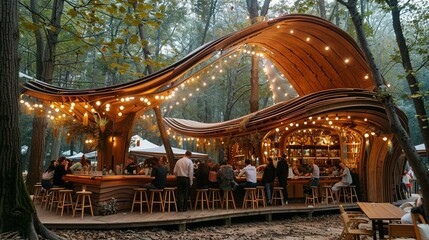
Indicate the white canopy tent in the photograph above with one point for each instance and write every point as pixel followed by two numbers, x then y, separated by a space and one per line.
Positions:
pixel 160 151
pixel 144 144
pixel 90 156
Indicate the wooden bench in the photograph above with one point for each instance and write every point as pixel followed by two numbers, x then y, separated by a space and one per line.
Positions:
pixel 397 230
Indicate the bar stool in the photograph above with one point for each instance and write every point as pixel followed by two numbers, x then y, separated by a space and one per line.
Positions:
pixel 65 200
pixel 250 197
pixel 277 195
pixel 154 194
pixel 202 198
pixel 170 198
pixel 142 198
pixel 343 193
pixel 327 194
pixel 313 197
pixel 55 192
pixel 82 196
pixel 260 196
pixel 214 197
pixel 228 197
pixel 37 195
pixel 45 198
pixel 352 193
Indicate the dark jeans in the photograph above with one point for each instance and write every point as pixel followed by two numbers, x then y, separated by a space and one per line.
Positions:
pixel 47 184
pixel 283 184
pixel 183 186
pixel 312 182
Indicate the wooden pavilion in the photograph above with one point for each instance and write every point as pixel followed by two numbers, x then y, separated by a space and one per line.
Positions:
pixel 336 116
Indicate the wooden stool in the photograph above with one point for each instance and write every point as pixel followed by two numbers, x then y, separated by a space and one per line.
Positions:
pixel 228 197
pixel 277 195
pixel 45 198
pixel 65 200
pixel 55 192
pixel 37 195
pixel 250 197
pixel 260 196
pixel 80 202
pixel 313 197
pixel 343 193
pixel 327 194
pixel 202 198
pixel 156 193
pixel 214 197
pixel 142 198
pixel 352 193
pixel 170 197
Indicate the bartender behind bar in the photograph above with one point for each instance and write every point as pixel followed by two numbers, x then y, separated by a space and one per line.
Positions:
pixel 131 168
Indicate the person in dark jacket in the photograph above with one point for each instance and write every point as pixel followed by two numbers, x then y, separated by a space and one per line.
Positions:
pixel 60 172
pixel 159 174
pixel 282 172
pixel 202 176
pixel 268 179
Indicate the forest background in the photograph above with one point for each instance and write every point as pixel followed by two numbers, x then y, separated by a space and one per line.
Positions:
pixel 102 43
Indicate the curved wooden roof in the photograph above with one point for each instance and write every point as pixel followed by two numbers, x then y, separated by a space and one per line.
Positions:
pixel 312 53
pixel 365 112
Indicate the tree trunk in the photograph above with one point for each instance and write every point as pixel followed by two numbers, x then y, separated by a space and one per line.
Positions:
pixel 212 8
pixel 17 213
pixel 164 137
pixel 386 99
pixel 419 104
pixel 56 143
pixel 252 8
pixel 322 9
pixel 37 151
pixel 45 60
pixel 254 84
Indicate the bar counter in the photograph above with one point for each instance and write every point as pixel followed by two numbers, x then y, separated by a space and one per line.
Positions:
pixel 120 187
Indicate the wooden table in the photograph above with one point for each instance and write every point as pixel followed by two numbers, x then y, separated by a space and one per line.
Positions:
pixel 377 212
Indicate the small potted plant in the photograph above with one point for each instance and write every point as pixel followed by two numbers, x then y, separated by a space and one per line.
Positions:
pixel 101 122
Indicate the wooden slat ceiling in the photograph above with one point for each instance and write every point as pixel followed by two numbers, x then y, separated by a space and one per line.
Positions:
pixel 311 52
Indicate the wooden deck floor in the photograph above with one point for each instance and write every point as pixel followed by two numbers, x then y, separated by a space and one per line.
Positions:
pixel 180 219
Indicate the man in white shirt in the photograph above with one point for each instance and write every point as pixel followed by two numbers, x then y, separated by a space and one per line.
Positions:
pixel 184 171
pixel 346 180
pixel 250 172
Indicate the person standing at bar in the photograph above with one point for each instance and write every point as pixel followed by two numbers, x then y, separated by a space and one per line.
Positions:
pixel 282 172
pixel 268 179
pixel 184 171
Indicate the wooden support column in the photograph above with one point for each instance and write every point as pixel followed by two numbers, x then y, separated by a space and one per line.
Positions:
pixel 115 142
pixel 164 137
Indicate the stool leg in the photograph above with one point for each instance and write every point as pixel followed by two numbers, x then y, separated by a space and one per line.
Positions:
pixel 83 205
pixel 76 205
pixel 90 205
pixel 141 202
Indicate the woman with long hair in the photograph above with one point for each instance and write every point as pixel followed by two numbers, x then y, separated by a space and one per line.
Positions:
pixel 48 175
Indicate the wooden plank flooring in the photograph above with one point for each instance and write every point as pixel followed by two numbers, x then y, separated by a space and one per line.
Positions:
pixel 125 219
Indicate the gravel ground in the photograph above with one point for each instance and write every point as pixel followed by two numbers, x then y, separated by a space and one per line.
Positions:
pixel 327 227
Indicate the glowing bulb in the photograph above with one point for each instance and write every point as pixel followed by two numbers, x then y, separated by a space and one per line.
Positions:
pixel 98 103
